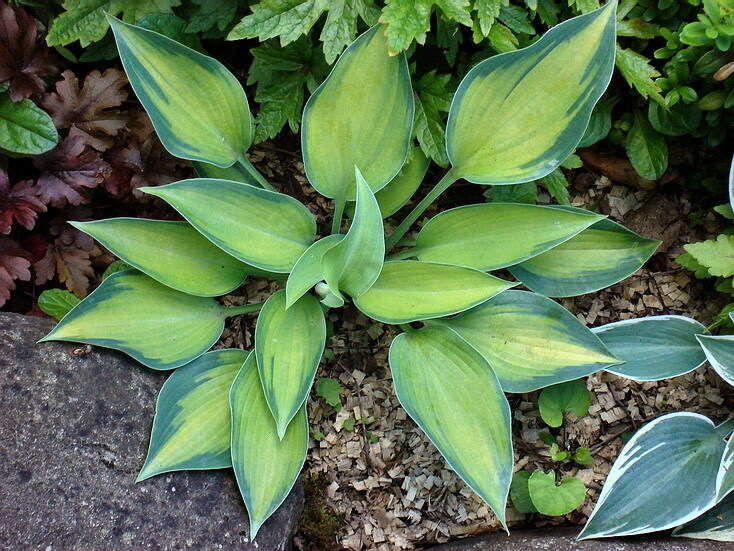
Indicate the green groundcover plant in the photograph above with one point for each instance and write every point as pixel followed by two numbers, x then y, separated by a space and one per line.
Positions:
pixel 467 338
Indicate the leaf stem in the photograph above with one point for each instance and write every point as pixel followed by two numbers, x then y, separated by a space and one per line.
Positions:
pixel 406 327
pixel 252 171
pixel 448 179
pixel 336 222
pixel 402 255
pixel 230 311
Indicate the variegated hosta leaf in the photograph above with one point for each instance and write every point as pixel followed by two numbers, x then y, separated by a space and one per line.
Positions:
pixel 266 466
pixel 598 257
pixel 653 348
pixel 173 253
pixel 720 354
pixel 401 188
pixel 731 184
pixel 197 106
pixel 725 477
pixel 530 341
pixel 158 326
pixel 453 395
pixel 236 172
pixel 354 263
pixel 289 343
pixel 496 235
pixel 263 228
pixel 502 130
pixel 362 115
pixel 309 270
pixel 412 290
pixel 715 524
pixel 665 476
pixel 192 425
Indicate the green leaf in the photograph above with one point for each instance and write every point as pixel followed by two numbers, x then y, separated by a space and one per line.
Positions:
pixel 401 188
pixel 530 341
pixel 555 499
pixel 173 253
pixel 266 466
pixel 433 98
pixel 453 395
pixel 557 186
pixel 520 494
pixel 687 260
pixel 409 291
pixel 57 302
pixel 558 455
pixel 158 326
pixel 172 81
pixel 639 73
pixel 262 228
pixel 361 113
pixel 355 262
pixel 236 173
pixel 716 255
pixel 171 26
pixel 329 390
pixel 487 12
pixel 340 26
pixel 526 193
pixel 24 128
pixel 191 429
pixel 653 348
pixel 496 235
pixel 116 266
pixel 665 476
pixel 600 122
pixel 646 149
pixel 720 354
pixel 289 343
pixel 715 524
pixel 210 14
pixel 83 20
pixel 309 269
pixel 598 257
pixel 556 400
pixel 582 456
pixel 501 131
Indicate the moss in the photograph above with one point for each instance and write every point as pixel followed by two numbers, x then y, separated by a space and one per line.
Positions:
pixel 319 524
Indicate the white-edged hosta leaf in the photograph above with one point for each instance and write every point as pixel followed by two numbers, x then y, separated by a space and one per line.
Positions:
pixel 263 228
pixel 266 466
pixel 173 253
pixel 309 270
pixel 402 187
pixel 598 257
pixel 725 477
pixel 192 424
pixel 236 172
pixel 410 290
pixel 731 184
pixel 502 131
pixel 716 524
pixel 362 115
pixel 664 476
pixel 289 343
pixel 653 348
pixel 495 235
pixel 355 262
pixel 530 341
pixel 197 106
pixel 453 395
pixel 158 326
pixel 720 354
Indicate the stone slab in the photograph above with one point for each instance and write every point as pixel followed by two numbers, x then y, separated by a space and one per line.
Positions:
pixel 74 432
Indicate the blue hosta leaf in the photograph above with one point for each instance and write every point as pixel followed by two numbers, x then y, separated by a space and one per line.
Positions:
pixel 720 354
pixel 715 524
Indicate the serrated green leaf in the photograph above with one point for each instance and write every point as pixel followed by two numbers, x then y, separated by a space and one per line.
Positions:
pixel 210 14
pixel 173 27
pixel 487 12
pixel 555 499
pixel 401 188
pixel 720 354
pixel 516 19
pixel 453 395
pixel 408 291
pixel 57 302
pixel 433 99
pixel 262 228
pixel 287 19
pixel 25 128
pixel 525 193
pixel 557 186
pixel 266 466
pixel 501 39
pixel 519 493
pixel 191 428
pixel 83 20
pixel 289 343
pixel 556 400
pixel 500 131
pixel 639 73
pixel 646 149
pixel 329 390
pixel 687 260
pixel 716 255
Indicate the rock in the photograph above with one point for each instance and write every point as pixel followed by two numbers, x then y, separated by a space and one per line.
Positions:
pixel 659 218
pixel 74 432
pixel 564 539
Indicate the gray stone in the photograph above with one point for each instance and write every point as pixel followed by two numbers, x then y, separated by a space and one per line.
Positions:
pixel 564 539
pixel 74 431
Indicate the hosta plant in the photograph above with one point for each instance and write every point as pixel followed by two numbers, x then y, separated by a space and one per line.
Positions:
pixel 467 337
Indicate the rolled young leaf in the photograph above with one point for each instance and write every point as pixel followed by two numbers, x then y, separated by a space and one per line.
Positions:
pixel 402 187
pixel 653 348
pixel 409 291
pixel 665 476
pixel 715 524
pixel 362 115
pixel 198 108
pixel 191 428
pixel 309 270
pixel 530 341
pixel 495 235
pixel 289 343
pixel 158 326
pixel 173 253
pixel 518 115
pixel 720 354
pixel 266 466
pixel 598 257
pixel 263 228
pixel 453 395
